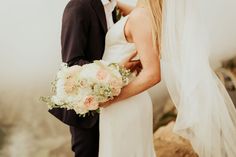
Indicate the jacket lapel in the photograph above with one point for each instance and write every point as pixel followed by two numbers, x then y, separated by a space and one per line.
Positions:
pixel 99 9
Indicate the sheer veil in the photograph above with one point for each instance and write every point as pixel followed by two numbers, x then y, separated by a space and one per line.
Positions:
pixel 206 114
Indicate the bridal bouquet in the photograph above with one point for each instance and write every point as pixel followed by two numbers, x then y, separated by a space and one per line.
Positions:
pixel 82 88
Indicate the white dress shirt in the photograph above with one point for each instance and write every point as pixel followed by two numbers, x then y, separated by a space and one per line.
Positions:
pixel 109 6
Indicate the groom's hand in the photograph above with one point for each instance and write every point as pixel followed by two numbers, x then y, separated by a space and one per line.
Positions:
pixel 133 65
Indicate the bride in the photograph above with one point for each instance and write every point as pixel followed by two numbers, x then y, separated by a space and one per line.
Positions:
pixel 174 31
pixel 126 128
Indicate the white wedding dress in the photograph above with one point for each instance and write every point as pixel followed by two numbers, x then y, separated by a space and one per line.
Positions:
pixel 126 127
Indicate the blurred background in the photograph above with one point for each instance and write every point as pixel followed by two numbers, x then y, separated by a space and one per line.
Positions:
pixel 30 57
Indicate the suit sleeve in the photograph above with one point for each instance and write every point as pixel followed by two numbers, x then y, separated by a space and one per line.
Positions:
pixel 74 35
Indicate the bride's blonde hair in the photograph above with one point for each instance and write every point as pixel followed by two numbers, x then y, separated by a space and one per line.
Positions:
pixel 155 9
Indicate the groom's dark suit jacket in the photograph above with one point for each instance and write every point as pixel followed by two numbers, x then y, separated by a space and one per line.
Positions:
pixel 83 40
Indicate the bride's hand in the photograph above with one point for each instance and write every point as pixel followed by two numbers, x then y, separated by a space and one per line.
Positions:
pixel 132 65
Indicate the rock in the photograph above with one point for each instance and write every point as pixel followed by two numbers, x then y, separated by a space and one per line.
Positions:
pixel 164 115
pixel 2 137
pixel 228 78
pixel 168 144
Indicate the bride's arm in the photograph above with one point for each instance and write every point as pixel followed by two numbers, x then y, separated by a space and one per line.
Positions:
pixel 140 30
pixel 124 8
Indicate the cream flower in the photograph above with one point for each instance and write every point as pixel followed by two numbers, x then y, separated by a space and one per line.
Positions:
pixel 80 109
pixel 102 75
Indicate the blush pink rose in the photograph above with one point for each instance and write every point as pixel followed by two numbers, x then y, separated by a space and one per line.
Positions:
pixel 116 86
pixel 83 83
pixel 102 74
pixel 90 103
pixel 70 85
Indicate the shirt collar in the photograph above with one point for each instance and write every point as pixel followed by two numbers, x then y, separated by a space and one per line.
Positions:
pixel 104 2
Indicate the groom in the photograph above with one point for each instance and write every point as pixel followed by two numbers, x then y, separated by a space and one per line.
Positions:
pixel 84 26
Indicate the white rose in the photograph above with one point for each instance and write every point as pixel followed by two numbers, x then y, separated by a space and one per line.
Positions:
pixel 80 109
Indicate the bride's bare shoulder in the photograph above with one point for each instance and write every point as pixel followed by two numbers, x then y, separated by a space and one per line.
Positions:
pixel 139 16
pixel 139 20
